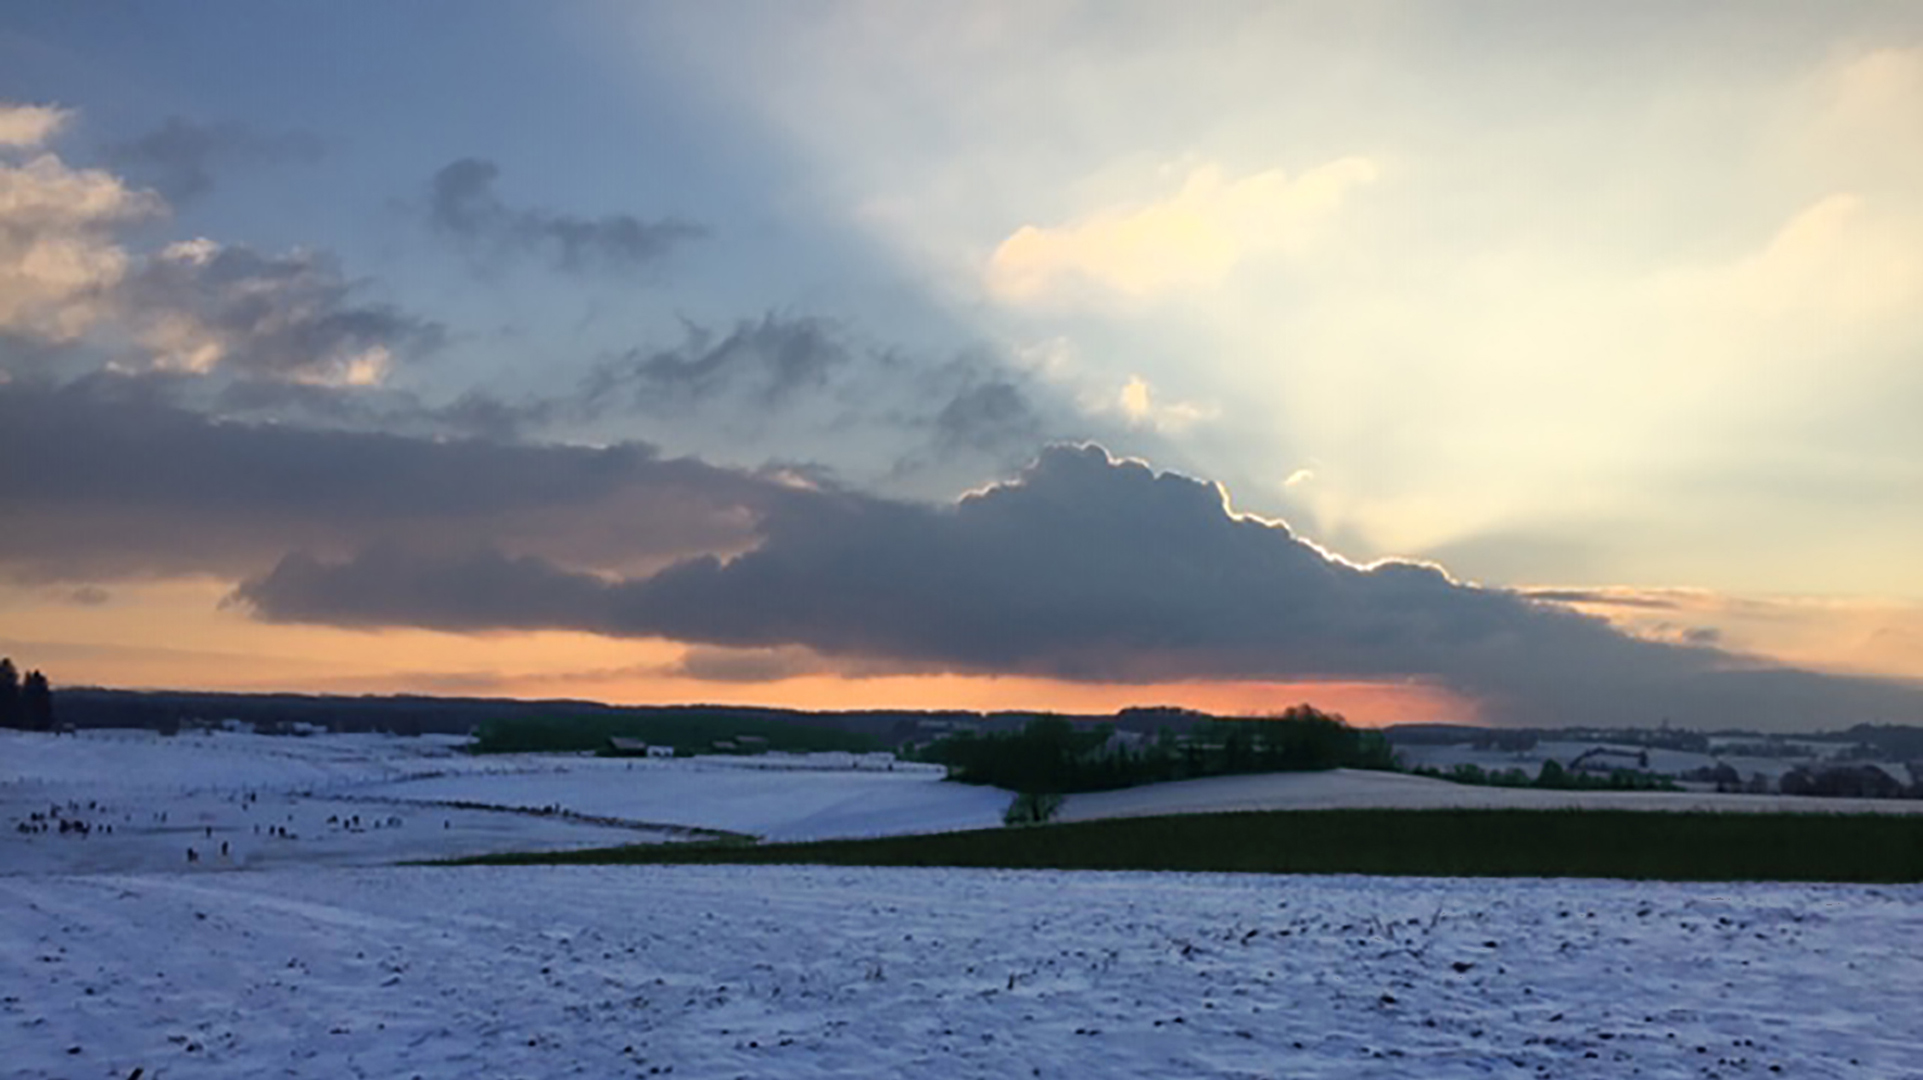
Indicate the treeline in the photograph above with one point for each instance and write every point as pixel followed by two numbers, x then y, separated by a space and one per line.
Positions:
pixel 688 730
pixel 1849 782
pixel 27 703
pixel 1899 742
pixel 1553 777
pixel 1053 756
pixel 415 714
pixel 1519 740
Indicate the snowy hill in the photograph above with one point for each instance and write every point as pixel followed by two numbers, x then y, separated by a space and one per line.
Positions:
pixel 1355 789
pixel 130 800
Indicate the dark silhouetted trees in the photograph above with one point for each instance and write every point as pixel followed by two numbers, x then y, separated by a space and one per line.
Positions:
pixel 36 702
pixel 1842 781
pixel 24 704
pixel 9 694
pixel 1551 776
pixel 1052 755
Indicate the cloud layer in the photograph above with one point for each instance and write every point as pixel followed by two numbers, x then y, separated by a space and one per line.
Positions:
pixel 107 478
pixel 1091 569
pixel 1084 567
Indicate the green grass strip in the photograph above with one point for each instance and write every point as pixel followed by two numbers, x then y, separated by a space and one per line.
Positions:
pixel 1636 845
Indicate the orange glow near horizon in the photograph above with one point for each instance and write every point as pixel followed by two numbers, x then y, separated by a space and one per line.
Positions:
pixel 175 635
pixel 1365 704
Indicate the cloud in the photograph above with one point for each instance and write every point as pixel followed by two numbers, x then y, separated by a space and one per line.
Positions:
pixel 1606 598
pixel 1140 406
pixel 30 125
pixel 389 586
pixel 1840 270
pixel 1842 635
pixel 770 361
pixel 198 306
pixel 1854 116
pixel 708 663
pixel 108 479
pixel 1092 569
pixel 59 262
pixel 179 158
pixel 990 417
pixel 473 414
pixel 799 390
pixel 194 306
pixel 463 205
pixel 781 381
pixel 1191 240
pixel 1088 567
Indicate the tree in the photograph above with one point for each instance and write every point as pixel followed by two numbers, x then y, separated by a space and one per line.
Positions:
pixel 1552 775
pixel 9 694
pixel 36 703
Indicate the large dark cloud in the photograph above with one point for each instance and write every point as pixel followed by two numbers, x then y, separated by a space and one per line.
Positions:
pixel 1084 567
pixel 107 477
pixel 180 157
pixel 1092 569
pixel 463 205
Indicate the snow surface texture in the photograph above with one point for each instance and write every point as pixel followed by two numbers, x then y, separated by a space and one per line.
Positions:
pixel 372 800
pixel 116 953
pixel 1355 789
pixel 804 971
pixel 777 804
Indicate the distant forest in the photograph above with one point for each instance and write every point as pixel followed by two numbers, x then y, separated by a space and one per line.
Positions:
pixel 1052 756
pixel 1208 744
pixel 505 725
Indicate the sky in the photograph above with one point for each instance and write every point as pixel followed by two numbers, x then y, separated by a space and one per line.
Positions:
pixel 1505 363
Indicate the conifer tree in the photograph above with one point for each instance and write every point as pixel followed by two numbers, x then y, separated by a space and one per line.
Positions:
pixel 36 703
pixel 9 694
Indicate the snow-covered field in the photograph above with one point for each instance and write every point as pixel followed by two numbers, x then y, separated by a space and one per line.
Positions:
pixel 318 960
pixel 1355 789
pixel 1662 761
pixel 730 794
pixel 793 972
pixel 247 801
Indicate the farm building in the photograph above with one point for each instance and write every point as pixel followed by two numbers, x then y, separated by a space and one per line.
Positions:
pixel 622 746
